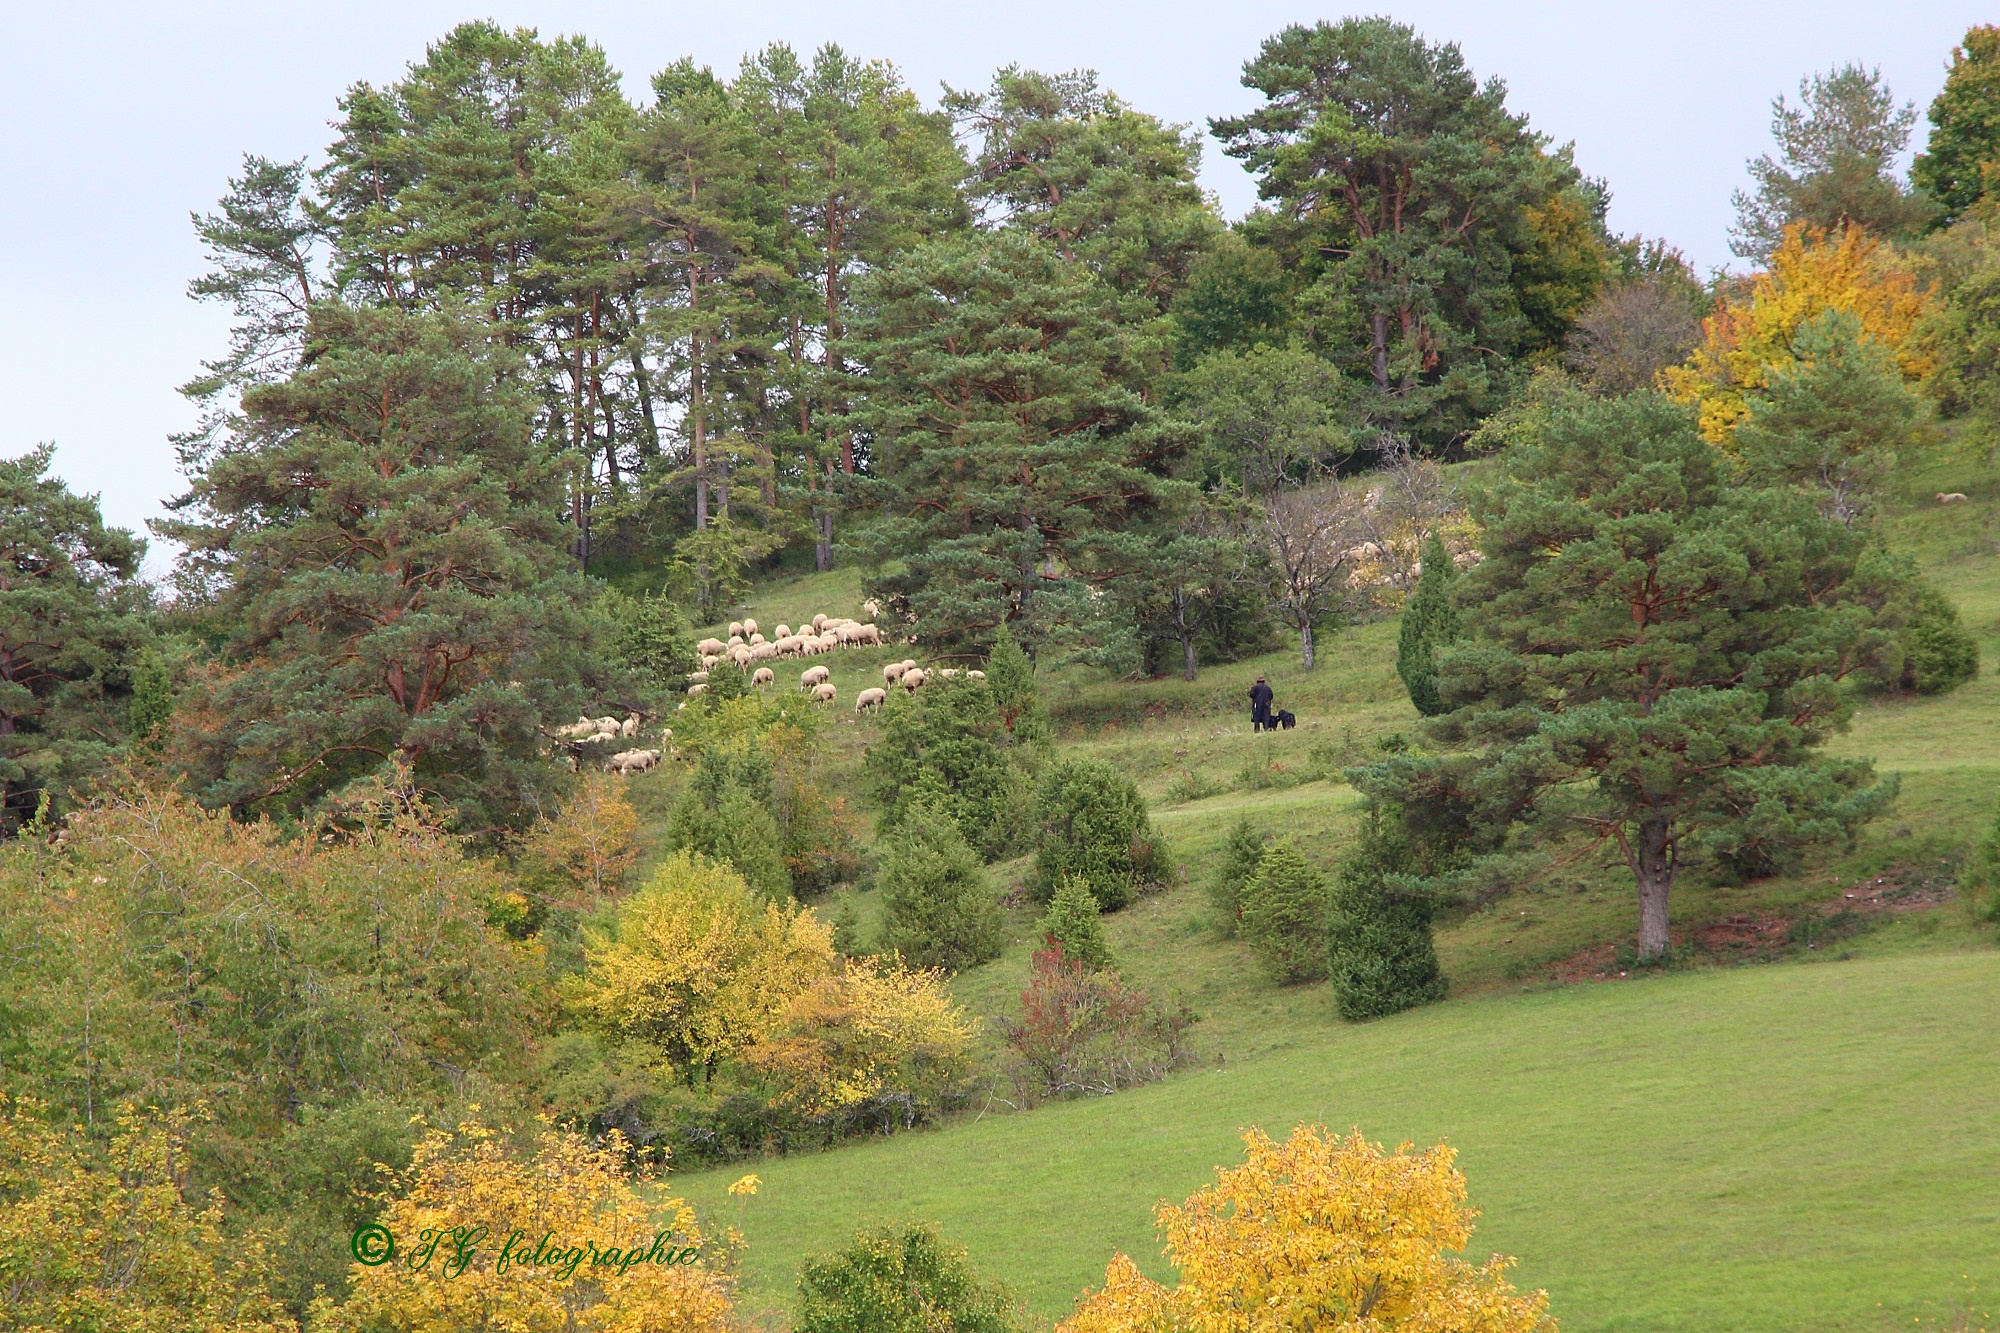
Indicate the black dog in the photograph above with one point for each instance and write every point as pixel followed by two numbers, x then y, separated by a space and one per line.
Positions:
pixel 1286 720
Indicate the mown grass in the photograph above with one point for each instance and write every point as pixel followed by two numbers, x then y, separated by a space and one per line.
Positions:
pixel 1761 1148
pixel 1716 1148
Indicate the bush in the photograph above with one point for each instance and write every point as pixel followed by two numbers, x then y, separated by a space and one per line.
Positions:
pixel 1938 654
pixel 1284 914
pixel 1242 853
pixel 725 814
pixel 1091 823
pixel 1084 1033
pixel 938 910
pixel 1011 677
pixel 650 637
pixel 944 745
pixel 898 1280
pixel 1430 623
pixel 1074 924
pixel 1981 881
pixel 1379 947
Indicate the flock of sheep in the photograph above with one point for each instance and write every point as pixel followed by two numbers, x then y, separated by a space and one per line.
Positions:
pixel 747 646
pixel 607 730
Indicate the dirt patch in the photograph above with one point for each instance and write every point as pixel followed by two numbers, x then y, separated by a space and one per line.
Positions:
pixel 1761 936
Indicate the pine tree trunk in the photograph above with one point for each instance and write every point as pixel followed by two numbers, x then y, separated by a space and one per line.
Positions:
pixel 1187 656
pixel 1655 871
pixel 1306 643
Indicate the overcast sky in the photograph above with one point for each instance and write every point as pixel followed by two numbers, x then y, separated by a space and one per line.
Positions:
pixel 118 120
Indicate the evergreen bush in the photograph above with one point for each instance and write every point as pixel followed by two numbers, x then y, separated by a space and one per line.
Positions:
pixel 1091 823
pixel 1430 622
pixel 1938 654
pixel 1074 922
pixel 1380 953
pixel 938 910
pixel 1284 914
pixel 1242 853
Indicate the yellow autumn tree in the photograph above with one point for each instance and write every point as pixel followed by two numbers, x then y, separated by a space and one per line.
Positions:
pixel 561 1242
pixel 864 1030
pixel 1324 1234
pixel 1811 272
pixel 589 848
pixel 698 966
pixel 109 1238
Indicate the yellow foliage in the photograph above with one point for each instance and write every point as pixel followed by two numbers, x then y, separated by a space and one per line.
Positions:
pixel 700 966
pixel 571 1192
pixel 114 1243
pixel 1811 273
pixel 862 1030
pixel 1321 1234
pixel 592 845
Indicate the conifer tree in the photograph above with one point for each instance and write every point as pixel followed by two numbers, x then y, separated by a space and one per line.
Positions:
pixel 1091 824
pixel 1010 675
pixel 1655 655
pixel 1074 922
pixel 1242 852
pixel 1285 914
pixel 1381 956
pixel 1430 623
pixel 388 526
pixel 938 910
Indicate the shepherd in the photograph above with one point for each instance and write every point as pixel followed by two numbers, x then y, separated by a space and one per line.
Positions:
pixel 1260 706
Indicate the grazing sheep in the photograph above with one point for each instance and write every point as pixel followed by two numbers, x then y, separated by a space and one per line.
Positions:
pixel 892 671
pixel 873 697
pixel 764 652
pixel 867 634
pixel 607 724
pixel 601 738
pixel 697 677
pixel 632 761
pixel 696 690
pixel 735 630
pixel 709 661
pixel 756 639
pixel 948 672
pixel 912 678
pixel 630 726
pixel 791 646
pixel 741 656
pixel 823 693
pixel 735 641
pixel 749 625
pixel 909 662
pixel 782 632
pixel 975 675
pixel 763 676
pixel 871 608
pixel 1951 497
pixel 812 676
pixel 708 646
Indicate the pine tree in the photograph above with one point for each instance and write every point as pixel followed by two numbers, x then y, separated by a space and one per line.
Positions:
pixel 1074 922
pixel 1381 956
pixel 388 526
pixel 1654 655
pixel 1285 914
pixel 1010 675
pixel 1939 654
pixel 1242 852
pixel 1430 623
pixel 938 910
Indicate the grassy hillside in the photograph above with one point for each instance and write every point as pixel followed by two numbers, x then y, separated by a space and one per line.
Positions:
pixel 1721 1147
pixel 1761 1148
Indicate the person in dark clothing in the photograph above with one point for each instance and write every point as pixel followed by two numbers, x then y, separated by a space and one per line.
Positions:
pixel 1260 706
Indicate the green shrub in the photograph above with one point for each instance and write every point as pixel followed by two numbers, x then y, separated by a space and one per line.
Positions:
pixel 1074 922
pixel 903 1279
pixel 1379 948
pixel 650 636
pixel 725 814
pixel 1284 914
pixel 1091 823
pixel 1980 882
pixel 947 745
pixel 938 910
pixel 1938 654
pixel 1430 622
pixel 1242 852
pixel 1011 676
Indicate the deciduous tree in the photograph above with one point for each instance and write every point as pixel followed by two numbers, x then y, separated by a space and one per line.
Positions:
pixel 1954 168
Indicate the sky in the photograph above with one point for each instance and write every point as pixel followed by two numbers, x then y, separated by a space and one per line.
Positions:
pixel 119 120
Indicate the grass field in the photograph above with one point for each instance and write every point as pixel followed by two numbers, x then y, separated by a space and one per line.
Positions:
pixel 1782 1148
pixel 1812 1144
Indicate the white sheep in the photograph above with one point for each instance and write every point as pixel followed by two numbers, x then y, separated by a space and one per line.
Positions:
pixel 735 629
pixel 710 660
pixel 741 656
pixel 871 608
pixel 912 679
pixel 749 625
pixel 818 621
pixel 735 641
pixel 1951 497
pixel 763 676
pixel 812 676
pixel 756 639
pixel 601 738
pixel 867 634
pixel 764 652
pixel 892 671
pixel 697 677
pixel 710 646
pixel 632 761
pixel 975 675
pixel 873 697
pixel 630 726
pixel 948 672
pixel 698 689
pixel 824 692
pixel 782 632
